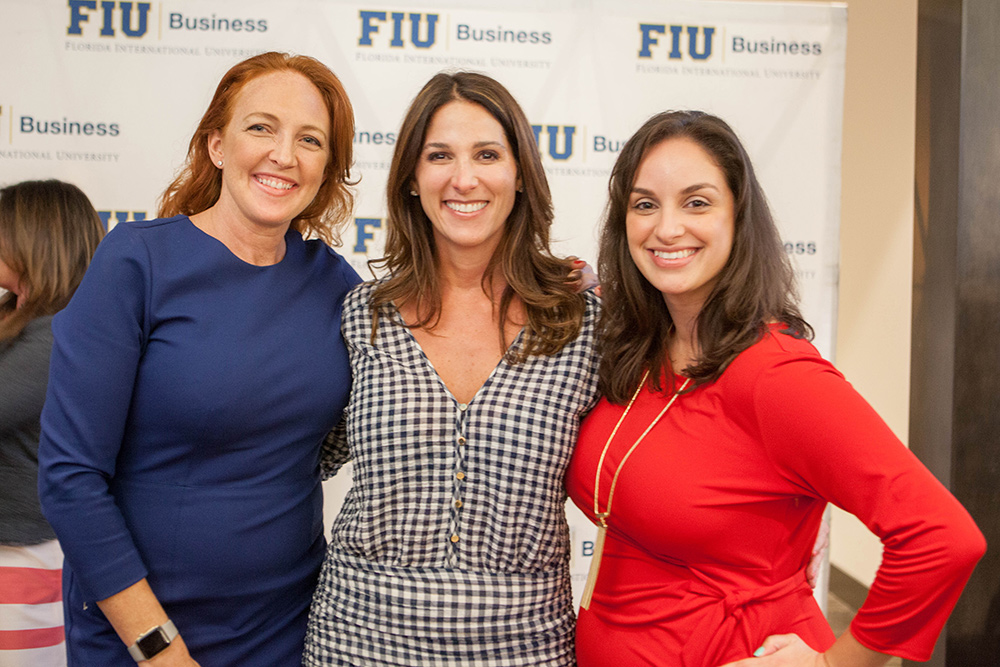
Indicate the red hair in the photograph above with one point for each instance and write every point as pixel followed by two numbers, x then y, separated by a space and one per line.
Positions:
pixel 199 183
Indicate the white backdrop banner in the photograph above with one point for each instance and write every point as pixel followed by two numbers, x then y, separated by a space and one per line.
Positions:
pixel 106 94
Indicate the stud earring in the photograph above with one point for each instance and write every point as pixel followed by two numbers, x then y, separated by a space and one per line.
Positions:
pixel 220 163
pixel 414 193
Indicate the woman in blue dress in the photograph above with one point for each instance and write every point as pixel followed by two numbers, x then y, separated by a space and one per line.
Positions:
pixel 193 378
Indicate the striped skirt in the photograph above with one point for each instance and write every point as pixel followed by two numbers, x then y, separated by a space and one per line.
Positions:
pixel 31 613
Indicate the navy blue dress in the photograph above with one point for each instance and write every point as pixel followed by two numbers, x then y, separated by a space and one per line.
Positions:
pixel 188 397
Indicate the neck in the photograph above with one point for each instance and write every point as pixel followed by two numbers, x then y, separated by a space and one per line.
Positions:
pixel 254 244
pixel 464 270
pixel 684 349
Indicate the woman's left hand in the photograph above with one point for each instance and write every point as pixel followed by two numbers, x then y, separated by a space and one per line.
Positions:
pixel 582 276
pixel 782 651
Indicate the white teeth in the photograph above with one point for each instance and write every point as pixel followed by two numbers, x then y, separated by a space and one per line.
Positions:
pixel 678 254
pixel 273 183
pixel 462 207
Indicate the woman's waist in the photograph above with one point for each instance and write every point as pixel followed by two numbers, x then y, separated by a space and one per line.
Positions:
pixel 392 598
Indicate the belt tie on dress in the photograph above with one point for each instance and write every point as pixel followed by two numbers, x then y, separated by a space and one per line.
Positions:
pixel 724 619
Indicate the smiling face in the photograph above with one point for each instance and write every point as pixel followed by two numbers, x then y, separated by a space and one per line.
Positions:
pixel 274 150
pixel 680 223
pixel 466 178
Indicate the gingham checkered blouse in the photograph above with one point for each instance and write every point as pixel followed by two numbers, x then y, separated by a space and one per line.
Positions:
pixel 452 546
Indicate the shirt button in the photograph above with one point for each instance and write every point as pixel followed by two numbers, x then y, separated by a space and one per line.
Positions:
pixel 458 503
pixel 460 475
pixel 463 407
pixel 454 538
pixel 461 440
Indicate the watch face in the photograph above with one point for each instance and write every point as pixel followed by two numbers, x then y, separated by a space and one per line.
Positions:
pixel 152 643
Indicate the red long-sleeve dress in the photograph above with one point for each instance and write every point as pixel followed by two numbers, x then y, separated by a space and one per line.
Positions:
pixel 716 511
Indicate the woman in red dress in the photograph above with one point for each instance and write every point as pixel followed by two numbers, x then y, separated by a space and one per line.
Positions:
pixel 724 433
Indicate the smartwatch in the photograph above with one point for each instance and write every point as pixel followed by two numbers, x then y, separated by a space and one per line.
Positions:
pixel 153 641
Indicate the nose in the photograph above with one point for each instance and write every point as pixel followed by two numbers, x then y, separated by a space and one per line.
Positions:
pixel 669 226
pixel 283 151
pixel 464 178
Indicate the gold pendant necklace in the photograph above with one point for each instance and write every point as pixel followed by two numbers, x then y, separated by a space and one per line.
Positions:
pixel 602 517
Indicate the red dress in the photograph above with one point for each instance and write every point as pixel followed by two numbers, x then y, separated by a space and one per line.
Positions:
pixel 716 511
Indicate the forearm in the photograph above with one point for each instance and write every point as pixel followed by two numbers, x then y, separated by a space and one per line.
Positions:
pixel 136 610
pixel 849 652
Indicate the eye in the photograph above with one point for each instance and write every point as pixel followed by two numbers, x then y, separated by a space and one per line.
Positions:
pixel 313 141
pixel 698 202
pixel 489 155
pixel 257 127
pixel 436 156
pixel 643 204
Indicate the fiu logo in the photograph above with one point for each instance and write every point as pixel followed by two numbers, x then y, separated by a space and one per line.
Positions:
pixel 363 236
pixel 130 18
pixel 553 132
pixel 648 34
pixel 121 216
pixel 423 28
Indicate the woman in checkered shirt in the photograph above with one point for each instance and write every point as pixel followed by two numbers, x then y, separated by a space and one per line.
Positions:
pixel 473 364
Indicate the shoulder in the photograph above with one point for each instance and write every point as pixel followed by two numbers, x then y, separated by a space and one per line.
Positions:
pixel 776 347
pixel 35 340
pixel 135 238
pixel 39 331
pixel 357 312
pixel 777 357
pixel 360 295
pixel 322 254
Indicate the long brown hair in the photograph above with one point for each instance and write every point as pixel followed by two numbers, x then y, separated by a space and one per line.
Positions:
pixel 199 183
pixel 553 309
pixel 48 233
pixel 756 285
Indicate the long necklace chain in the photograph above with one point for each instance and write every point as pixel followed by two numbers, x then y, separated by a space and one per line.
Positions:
pixel 602 517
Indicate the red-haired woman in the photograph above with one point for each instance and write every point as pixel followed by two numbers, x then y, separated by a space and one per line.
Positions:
pixel 194 376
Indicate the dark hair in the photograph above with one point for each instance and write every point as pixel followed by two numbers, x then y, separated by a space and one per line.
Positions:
pixel 553 309
pixel 756 286
pixel 48 233
pixel 199 183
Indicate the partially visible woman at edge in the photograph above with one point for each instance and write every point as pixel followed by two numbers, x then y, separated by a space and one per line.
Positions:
pixel 194 377
pixel 473 363
pixel 48 232
pixel 724 434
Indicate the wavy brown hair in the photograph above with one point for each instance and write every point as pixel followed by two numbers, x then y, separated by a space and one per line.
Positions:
pixel 199 183
pixel 756 286
pixel 553 309
pixel 48 233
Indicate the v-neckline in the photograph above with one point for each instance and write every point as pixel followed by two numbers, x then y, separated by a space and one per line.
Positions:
pixel 426 360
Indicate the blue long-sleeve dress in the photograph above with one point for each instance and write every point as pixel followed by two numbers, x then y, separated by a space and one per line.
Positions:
pixel 188 397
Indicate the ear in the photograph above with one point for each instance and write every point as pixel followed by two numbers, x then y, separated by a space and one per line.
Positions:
pixel 215 146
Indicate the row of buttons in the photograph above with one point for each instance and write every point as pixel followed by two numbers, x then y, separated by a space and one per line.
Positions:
pixel 462 407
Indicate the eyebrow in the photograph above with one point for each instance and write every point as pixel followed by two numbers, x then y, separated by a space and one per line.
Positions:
pixel 686 191
pixel 272 117
pixel 478 144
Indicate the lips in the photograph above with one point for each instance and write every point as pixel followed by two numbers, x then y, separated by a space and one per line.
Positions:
pixel 276 183
pixel 466 207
